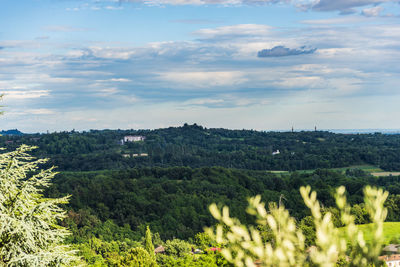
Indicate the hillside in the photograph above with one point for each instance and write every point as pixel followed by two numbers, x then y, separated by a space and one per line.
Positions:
pixel 11 132
pixel 174 201
pixel 195 146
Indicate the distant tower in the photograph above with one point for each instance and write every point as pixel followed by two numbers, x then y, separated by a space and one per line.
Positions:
pixel 292 129
pixel 315 128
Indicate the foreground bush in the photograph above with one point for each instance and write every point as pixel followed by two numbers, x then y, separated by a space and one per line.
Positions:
pixel 243 246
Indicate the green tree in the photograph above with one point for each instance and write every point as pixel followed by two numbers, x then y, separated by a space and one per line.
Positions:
pixel 148 243
pixel 138 257
pixel 30 234
pixel 177 247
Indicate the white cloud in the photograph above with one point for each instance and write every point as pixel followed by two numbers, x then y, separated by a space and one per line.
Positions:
pixel 206 2
pixel 204 101
pixel 123 80
pixel 227 101
pixel 300 82
pixel 113 7
pixel 41 111
pixel 337 20
pixel 14 94
pixel 203 79
pixel 235 30
pixel 373 11
pixel 344 6
pixel 64 28
pixel 108 91
pixel 112 53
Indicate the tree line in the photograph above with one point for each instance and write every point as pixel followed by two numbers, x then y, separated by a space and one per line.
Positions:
pixel 195 146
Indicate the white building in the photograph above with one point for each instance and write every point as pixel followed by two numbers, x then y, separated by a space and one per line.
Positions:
pixel 277 152
pixel 391 260
pixel 134 138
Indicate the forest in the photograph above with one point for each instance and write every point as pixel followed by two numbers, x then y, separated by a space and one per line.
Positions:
pixel 174 201
pixel 177 173
pixel 195 146
pixel 118 205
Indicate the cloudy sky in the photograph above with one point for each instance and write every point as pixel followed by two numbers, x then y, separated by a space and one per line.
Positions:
pixel 253 64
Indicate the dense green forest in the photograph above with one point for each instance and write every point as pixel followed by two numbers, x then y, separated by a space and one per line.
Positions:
pixel 117 205
pixel 174 201
pixel 195 146
pixel 169 180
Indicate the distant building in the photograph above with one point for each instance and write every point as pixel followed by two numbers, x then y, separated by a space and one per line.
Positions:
pixel 276 152
pixel 391 260
pixel 391 249
pixel 132 138
pixel 159 249
pixel 140 155
pixel 134 155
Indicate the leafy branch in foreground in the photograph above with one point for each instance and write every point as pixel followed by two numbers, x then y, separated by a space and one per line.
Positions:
pixel 243 246
pixel 29 231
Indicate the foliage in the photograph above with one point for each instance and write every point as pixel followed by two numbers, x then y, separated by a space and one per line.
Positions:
pixel 307 227
pixel 138 257
pixel 391 232
pixel 117 205
pixel 204 241
pixel 244 244
pixel 195 146
pixel 30 234
pixel 200 260
pixel 148 243
pixel 177 247
pixel 97 252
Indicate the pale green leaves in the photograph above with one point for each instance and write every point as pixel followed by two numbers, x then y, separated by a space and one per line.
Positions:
pixel 243 245
pixel 29 230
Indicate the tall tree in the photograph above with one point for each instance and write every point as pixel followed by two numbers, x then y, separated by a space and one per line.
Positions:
pixel 30 234
pixel 148 243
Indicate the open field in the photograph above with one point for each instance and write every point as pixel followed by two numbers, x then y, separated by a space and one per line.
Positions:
pixel 278 171
pixel 367 168
pixel 390 230
pixel 382 174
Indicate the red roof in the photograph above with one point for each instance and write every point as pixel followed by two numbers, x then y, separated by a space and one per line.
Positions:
pixel 394 257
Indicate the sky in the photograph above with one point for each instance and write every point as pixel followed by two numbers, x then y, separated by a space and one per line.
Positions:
pixel 238 64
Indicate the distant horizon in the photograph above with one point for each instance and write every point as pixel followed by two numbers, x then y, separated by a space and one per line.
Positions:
pixel 339 131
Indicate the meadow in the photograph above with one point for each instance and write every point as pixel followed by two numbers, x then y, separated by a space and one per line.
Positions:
pixel 391 232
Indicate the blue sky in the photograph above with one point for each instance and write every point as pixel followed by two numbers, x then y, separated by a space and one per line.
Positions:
pixel 254 64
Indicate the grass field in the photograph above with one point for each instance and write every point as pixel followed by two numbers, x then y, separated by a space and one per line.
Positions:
pixel 390 230
pixel 371 169
pixel 382 174
pixel 366 168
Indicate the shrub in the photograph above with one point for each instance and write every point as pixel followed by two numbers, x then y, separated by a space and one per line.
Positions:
pixel 243 245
